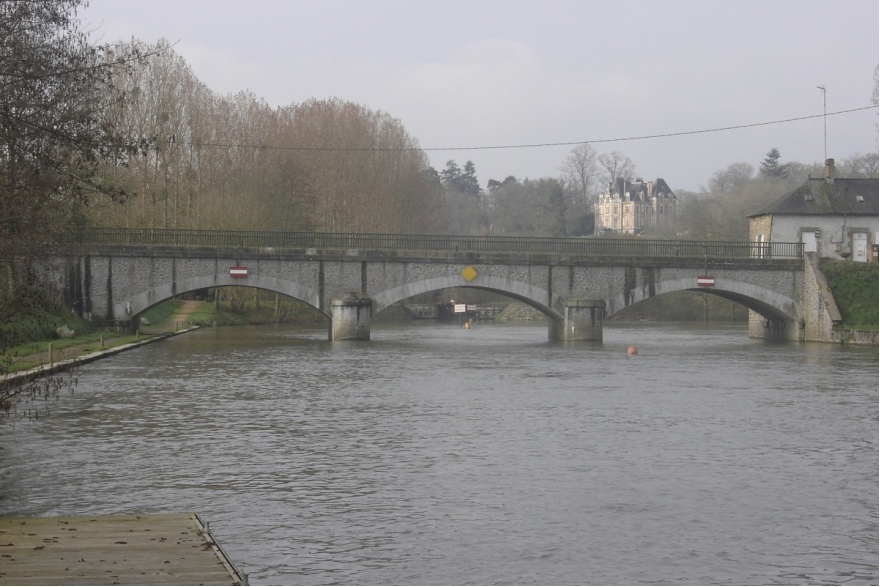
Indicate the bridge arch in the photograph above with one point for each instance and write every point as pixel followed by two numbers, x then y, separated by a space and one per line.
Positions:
pixel 766 302
pixel 530 295
pixel 574 282
pixel 138 303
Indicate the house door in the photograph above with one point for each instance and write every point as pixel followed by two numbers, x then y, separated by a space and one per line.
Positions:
pixel 860 246
pixel 809 240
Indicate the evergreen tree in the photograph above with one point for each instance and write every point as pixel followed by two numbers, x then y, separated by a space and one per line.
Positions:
pixel 770 166
pixel 494 184
pixel 469 182
pixel 460 180
pixel 451 175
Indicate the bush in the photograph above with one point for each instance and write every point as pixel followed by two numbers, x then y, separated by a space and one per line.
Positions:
pixel 32 318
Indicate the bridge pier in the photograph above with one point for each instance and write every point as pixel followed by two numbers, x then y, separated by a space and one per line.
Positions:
pixel 350 318
pixel 582 320
pixel 775 330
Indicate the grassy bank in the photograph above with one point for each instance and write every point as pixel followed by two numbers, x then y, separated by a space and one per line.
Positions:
pixel 37 353
pixel 855 290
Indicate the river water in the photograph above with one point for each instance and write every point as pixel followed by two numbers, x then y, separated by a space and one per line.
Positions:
pixel 438 455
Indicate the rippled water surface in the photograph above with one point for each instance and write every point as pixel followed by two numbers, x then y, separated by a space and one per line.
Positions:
pixel 436 455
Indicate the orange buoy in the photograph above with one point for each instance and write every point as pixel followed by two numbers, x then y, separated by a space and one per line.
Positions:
pixel 632 350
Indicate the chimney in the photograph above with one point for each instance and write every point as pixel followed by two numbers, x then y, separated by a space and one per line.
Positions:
pixel 829 170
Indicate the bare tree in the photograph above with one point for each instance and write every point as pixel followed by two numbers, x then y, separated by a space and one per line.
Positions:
pixel 232 162
pixel 731 179
pixel 860 166
pixel 367 172
pixel 158 102
pixel 616 165
pixel 580 172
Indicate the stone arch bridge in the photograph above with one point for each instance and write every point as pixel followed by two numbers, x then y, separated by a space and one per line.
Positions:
pixel 116 274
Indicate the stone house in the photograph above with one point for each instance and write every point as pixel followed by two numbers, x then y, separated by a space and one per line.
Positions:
pixel 633 207
pixel 834 217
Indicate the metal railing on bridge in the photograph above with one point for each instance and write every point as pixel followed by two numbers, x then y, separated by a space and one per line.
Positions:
pixel 584 246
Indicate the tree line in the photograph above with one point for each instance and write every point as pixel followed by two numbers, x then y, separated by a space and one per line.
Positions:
pixel 233 162
pixel 126 135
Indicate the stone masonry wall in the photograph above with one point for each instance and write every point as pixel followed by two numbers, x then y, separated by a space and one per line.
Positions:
pixel 820 310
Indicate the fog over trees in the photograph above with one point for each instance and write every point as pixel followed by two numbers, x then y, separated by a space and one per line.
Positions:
pixel 125 135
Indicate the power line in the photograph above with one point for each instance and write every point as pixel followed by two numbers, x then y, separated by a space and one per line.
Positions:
pixel 534 145
pixel 657 136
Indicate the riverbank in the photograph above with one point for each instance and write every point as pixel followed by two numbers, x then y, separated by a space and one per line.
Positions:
pixel 78 355
pixel 41 368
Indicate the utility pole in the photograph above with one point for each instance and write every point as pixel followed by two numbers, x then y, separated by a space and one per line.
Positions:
pixel 824 120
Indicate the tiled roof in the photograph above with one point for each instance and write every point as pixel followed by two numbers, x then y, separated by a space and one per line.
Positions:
pixel 821 197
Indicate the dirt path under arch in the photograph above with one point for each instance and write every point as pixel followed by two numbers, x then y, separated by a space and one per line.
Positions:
pixel 184 311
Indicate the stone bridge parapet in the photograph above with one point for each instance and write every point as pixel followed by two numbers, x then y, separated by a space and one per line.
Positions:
pixel 116 283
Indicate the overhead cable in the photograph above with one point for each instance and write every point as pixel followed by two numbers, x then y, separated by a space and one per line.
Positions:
pixel 532 145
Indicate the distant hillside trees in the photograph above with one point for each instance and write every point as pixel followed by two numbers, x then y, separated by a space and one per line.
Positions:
pixel 720 211
pixel 462 207
pixel 529 208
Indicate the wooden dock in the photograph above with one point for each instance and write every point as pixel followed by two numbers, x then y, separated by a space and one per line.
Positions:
pixel 149 549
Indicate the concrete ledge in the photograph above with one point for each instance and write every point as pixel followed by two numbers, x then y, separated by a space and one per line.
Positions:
pixel 855 337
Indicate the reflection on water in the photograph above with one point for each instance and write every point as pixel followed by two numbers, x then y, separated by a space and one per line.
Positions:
pixel 486 456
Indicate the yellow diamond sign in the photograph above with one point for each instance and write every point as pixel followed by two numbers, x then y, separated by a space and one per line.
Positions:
pixel 468 273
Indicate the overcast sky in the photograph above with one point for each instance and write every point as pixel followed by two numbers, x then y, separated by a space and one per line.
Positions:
pixel 481 73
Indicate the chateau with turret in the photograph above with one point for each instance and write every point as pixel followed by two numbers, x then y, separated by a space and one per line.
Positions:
pixel 634 207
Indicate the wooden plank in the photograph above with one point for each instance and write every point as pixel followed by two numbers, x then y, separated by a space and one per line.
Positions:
pixel 149 549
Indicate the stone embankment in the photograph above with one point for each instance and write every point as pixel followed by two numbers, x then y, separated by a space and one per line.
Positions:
pixel 821 314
